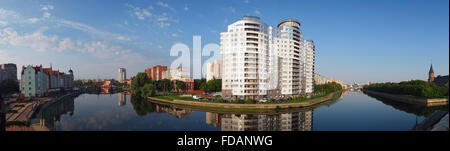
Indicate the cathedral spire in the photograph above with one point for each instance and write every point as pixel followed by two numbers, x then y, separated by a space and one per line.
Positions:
pixel 431 69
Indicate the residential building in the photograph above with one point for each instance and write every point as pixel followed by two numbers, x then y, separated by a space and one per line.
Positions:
pixel 37 81
pixel 260 61
pixel 156 72
pixel 214 70
pixel 8 72
pixel 122 74
pixel 318 79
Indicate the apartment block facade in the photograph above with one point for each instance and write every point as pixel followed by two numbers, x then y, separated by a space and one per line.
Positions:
pixel 156 72
pixel 37 81
pixel 263 62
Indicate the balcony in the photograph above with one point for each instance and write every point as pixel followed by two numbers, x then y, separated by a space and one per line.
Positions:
pixel 252 34
pixel 251 29
pixel 252 44
pixel 250 24
pixel 252 39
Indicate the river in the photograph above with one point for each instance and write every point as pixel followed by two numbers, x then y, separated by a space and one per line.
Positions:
pixel 353 111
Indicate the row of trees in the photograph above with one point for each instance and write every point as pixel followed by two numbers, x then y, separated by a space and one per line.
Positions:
pixel 81 84
pixel 144 86
pixel 327 88
pixel 417 88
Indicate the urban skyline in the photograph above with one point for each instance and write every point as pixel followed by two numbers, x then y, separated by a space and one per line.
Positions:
pixel 379 37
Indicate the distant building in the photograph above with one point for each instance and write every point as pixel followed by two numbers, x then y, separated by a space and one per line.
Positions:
pixel 122 74
pixel 343 85
pixel 439 80
pixel 318 79
pixel 156 72
pixel 8 72
pixel 37 81
pixel 214 70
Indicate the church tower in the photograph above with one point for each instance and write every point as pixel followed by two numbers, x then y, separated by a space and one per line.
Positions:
pixel 431 75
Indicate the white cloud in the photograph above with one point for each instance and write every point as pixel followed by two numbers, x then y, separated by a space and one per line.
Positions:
pixel 257 12
pixel 186 8
pixel 40 42
pixel 124 38
pixel 47 15
pixel 175 35
pixel 33 20
pixel 162 4
pixel 3 23
pixel 165 5
pixel 47 7
pixel 232 9
pixel 160 47
pixel 246 1
pixel 7 13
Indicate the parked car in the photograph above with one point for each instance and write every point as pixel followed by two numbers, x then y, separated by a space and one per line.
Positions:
pixel 196 97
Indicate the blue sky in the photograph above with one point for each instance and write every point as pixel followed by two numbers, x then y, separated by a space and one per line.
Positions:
pixel 356 41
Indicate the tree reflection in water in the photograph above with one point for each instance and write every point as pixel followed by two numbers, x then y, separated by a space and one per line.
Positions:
pixel 141 106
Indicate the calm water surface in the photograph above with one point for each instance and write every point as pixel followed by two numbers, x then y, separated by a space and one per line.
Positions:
pixel 121 112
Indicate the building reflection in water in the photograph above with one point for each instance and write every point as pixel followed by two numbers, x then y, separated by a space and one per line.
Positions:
pixel 122 99
pixel 176 112
pixel 295 121
pixel 52 114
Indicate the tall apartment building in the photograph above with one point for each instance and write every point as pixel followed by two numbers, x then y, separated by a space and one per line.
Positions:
pixel 122 74
pixel 8 72
pixel 260 61
pixel 214 70
pixel 156 72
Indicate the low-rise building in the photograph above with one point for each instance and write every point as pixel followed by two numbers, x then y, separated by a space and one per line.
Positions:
pixel 318 79
pixel 343 85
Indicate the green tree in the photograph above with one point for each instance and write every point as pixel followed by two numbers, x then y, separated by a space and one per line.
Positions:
pixel 180 85
pixel 139 82
pixel 148 90
pixel 164 85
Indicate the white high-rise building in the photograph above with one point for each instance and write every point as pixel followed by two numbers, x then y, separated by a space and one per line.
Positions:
pixel 122 74
pixel 214 70
pixel 260 61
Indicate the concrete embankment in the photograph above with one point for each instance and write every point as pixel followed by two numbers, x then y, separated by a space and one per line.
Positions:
pixel 438 121
pixel 410 100
pixel 249 106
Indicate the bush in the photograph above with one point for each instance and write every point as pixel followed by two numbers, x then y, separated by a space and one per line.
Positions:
pixel 249 101
pixel 220 100
pixel 238 101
